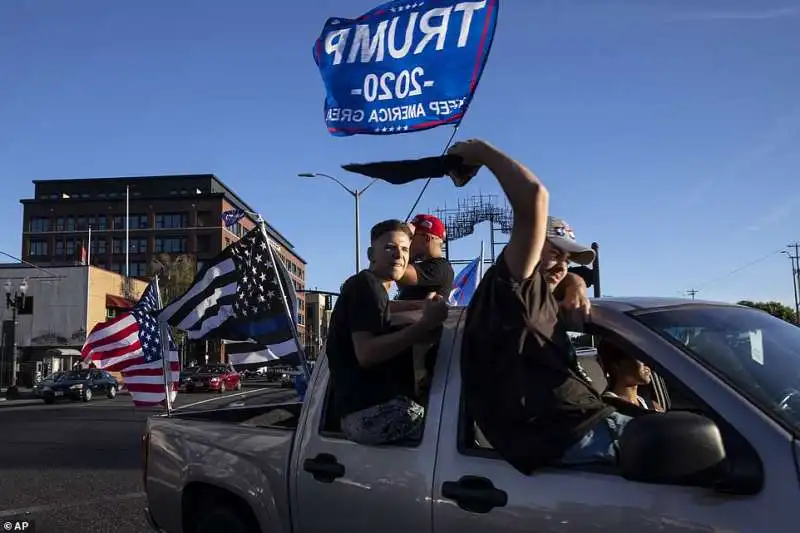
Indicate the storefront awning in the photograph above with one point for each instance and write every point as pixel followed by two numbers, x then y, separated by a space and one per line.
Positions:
pixel 63 352
pixel 117 302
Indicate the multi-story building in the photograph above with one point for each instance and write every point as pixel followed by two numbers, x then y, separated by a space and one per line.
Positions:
pixel 54 308
pixel 69 221
pixel 319 307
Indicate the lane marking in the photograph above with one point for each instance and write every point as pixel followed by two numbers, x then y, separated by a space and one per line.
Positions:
pixel 243 393
pixel 60 506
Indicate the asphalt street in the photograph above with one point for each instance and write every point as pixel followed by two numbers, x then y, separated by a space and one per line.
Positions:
pixel 75 467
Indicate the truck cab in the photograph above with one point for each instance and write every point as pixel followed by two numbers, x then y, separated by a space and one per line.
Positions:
pixel 288 468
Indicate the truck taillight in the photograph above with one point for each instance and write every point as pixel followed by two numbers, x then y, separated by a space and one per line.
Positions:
pixel 144 451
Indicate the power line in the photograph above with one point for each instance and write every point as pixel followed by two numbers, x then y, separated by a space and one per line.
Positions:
pixel 692 292
pixel 740 268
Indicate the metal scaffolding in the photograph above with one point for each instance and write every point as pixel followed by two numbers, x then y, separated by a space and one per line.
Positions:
pixel 461 220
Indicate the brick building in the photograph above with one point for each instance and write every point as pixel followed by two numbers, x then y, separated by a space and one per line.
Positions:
pixel 177 215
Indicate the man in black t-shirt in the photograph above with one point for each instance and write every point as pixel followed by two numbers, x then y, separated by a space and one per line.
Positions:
pixel 522 384
pixel 429 272
pixel 370 366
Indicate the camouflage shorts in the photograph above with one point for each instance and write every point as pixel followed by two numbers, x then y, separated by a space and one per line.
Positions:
pixel 397 419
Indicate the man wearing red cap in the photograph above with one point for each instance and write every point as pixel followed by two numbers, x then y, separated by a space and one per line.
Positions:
pixel 429 272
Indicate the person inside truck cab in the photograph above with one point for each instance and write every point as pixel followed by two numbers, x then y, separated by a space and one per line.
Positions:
pixel 369 360
pixel 625 375
pixel 522 383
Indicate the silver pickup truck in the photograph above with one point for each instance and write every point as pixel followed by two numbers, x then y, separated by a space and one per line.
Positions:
pixel 723 458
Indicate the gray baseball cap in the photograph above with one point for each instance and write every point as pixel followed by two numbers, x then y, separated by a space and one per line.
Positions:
pixel 560 235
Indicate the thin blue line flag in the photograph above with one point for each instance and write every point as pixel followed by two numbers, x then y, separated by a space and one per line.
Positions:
pixel 404 66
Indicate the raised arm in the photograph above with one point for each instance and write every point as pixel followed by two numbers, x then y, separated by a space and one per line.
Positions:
pixel 528 198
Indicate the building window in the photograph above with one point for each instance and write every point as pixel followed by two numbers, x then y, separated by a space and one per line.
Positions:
pixel 203 243
pixel 80 223
pixel 138 246
pixel 39 225
pixel 110 313
pixel 102 223
pixel 175 245
pixel 116 267
pixel 138 269
pixel 69 247
pixel 37 248
pixel 139 222
pixel 59 224
pixel 70 224
pixel 59 247
pixel 117 246
pixel 172 220
pixel 204 218
pixel 100 246
pixel 236 229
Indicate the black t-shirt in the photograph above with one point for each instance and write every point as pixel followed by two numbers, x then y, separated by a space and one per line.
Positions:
pixel 433 275
pixel 519 371
pixel 363 305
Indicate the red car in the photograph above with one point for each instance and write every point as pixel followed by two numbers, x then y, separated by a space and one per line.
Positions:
pixel 217 378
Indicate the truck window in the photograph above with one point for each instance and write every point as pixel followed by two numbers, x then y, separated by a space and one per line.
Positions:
pixel 330 421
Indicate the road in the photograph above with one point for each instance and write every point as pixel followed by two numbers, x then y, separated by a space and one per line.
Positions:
pixel 75 467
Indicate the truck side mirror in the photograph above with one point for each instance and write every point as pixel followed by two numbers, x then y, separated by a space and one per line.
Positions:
pixel 675 448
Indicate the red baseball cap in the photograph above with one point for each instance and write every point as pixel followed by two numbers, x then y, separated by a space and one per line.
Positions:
pixel 428 225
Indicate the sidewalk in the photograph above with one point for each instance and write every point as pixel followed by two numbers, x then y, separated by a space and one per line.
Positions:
pixel 26 397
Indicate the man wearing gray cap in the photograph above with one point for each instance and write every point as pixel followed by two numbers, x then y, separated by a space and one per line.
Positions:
pixel 522 384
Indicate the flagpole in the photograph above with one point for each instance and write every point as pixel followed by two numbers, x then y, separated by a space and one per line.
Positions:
pixel 163 333
pixel 89 248
pixel 300 353
pixel 480 269
pixel 127 237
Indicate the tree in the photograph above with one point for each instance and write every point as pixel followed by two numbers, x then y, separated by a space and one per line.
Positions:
pixel 175 275
pixel 776 309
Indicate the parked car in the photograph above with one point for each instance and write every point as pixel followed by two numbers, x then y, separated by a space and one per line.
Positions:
pixel 185 378
pixel 725 457
pixel 46 381
pixel 217 378
pixel 81 384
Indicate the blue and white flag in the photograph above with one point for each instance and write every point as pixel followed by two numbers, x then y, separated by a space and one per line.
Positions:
pixel 466 282
pixel 404 66
pixel 232 216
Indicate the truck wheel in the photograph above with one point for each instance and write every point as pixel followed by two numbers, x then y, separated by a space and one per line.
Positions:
pixel 224 518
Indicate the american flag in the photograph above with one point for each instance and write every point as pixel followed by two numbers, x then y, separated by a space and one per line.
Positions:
pixel 131 344
pixel 237 297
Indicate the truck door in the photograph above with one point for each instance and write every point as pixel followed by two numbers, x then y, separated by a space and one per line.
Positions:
pixel 476 491
pixel 339 485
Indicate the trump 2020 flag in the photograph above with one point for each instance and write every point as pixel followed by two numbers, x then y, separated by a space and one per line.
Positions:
pixel 466 282
pixel 404 66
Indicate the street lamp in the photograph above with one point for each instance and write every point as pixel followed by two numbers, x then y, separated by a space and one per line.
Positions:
pixel 15 299
pixel 356 194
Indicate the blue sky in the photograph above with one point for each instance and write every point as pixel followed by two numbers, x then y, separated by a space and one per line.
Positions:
pixel 666 130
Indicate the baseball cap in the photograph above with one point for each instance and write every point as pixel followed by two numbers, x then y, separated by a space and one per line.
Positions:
pixel 428 225
pixel 560 235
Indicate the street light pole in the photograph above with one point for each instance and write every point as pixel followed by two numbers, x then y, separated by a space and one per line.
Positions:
pixel 794 260
pixel 356 194
pixel 14 302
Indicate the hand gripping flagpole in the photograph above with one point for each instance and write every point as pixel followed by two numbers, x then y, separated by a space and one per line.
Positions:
pixel 163 333
pixel 300 352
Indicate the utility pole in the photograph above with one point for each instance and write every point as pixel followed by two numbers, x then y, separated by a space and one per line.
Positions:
pixel 692 292
pixel 795 260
